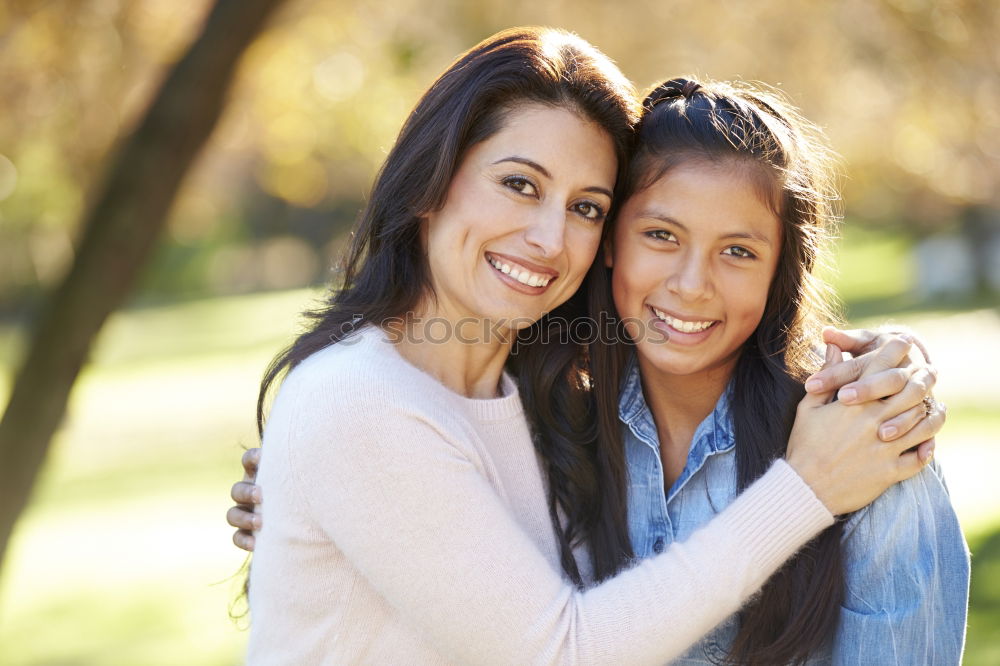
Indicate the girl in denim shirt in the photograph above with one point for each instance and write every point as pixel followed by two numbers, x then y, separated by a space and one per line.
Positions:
pixel 710 269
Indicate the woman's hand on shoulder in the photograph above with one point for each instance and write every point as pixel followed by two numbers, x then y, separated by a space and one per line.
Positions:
pixel 913 377
pixel 837 447
pixel 246 495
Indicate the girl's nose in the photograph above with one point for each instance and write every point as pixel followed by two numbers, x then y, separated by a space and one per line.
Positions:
pixel 693 281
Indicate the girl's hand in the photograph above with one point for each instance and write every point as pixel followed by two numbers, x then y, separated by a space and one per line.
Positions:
pixel 836 447
pixel 246 495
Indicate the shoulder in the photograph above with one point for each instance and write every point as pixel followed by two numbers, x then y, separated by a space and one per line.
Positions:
pixel 912 525
pixel 921 498
pixel 360 372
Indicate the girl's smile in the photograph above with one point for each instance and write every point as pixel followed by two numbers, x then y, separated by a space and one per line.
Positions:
pixel 679 329
pixel 693 256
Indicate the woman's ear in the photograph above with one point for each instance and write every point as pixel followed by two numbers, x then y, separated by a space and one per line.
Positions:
pixel 608 250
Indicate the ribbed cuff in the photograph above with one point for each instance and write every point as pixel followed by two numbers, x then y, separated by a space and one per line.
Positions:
pixel 776 516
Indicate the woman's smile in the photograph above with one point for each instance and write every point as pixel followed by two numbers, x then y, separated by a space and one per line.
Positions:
pixel 520 274
pixel 522 218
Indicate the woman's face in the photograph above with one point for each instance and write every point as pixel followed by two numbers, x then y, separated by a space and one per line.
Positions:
pixel 522 220
pixel 693 258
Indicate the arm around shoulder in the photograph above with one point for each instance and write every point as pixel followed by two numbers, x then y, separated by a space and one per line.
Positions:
pixel 408 504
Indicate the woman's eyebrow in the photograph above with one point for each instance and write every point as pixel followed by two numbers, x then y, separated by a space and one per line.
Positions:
pixel 525 161
pixel 545 172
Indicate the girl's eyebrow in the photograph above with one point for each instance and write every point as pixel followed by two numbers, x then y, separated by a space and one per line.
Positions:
pixel 749 235
pixel 662 217
pixel 545 172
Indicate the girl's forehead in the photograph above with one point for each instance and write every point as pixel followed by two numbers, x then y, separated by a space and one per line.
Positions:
pixel 738 172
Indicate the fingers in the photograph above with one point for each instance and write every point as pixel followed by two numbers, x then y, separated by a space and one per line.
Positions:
pixel 901 424
pixel 911 462
pixel 874 387
pixel 243 518
pixel 913 393
pixel 251 461
pixel 245 492
pixel 855 342
pixel 243 540
pixel 834 357
pixel 925 429
pixel 926 450
pixel 889 355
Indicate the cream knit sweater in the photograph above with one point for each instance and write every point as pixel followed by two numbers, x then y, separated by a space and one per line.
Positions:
pixel 406 524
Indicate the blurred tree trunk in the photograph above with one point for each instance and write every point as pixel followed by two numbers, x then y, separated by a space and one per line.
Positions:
pixel 118 235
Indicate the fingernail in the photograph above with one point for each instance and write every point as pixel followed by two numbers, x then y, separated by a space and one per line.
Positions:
pixel 888 432
pixel 906 336
pixel 814 385
pixel 847 395
pixel 256 495
pixel 928 456
pixel 933 370
pixel 831 353
pixel 256 522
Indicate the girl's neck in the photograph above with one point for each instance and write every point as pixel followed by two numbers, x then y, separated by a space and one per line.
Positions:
pixel 457 355
pixel 679 403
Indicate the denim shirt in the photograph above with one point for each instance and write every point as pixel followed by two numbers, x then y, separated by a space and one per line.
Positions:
pixel 906 564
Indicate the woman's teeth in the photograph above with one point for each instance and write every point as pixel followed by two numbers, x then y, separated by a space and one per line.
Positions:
pixel 682 326
pixel 522 275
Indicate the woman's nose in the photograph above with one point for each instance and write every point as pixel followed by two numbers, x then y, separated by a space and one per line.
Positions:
pixel 547 233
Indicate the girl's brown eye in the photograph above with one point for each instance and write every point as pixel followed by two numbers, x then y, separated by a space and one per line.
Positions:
pixel 739 251
pixel 661 235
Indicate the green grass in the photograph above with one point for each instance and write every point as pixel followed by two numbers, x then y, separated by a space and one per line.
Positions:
pixel 124 556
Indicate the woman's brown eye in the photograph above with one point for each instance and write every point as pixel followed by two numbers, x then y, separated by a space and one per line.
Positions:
pixel 590 211
pixel 520 185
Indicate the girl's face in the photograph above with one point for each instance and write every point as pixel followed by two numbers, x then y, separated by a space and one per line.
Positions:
pixel 693 258
pixel 522 220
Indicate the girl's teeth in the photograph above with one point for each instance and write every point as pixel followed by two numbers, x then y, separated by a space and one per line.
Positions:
pixel 682 326
pixel 505 268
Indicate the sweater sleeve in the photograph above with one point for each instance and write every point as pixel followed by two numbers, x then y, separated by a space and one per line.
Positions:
pixel 412 511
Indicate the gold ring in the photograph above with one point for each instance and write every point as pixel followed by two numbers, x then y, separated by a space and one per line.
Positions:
pixel 929 405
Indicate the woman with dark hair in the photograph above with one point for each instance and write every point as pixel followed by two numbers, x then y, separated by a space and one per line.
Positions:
pixel 411 513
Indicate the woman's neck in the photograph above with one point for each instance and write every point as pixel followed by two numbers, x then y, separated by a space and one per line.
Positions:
pixel 460 359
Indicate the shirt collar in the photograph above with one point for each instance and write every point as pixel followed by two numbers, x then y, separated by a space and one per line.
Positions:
pixel 714 434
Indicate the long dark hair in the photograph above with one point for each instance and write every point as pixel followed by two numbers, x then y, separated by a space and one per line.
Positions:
pixel 386 274
pixel 787 161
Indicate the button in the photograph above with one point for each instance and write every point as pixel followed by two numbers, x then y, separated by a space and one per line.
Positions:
pixel 658 545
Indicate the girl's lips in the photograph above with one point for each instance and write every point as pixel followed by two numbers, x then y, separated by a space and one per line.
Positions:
pixel 677 336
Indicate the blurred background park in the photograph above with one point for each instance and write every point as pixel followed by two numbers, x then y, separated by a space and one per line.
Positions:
pixel 122 555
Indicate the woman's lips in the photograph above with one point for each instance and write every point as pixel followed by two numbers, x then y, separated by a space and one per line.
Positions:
pixel 522 275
